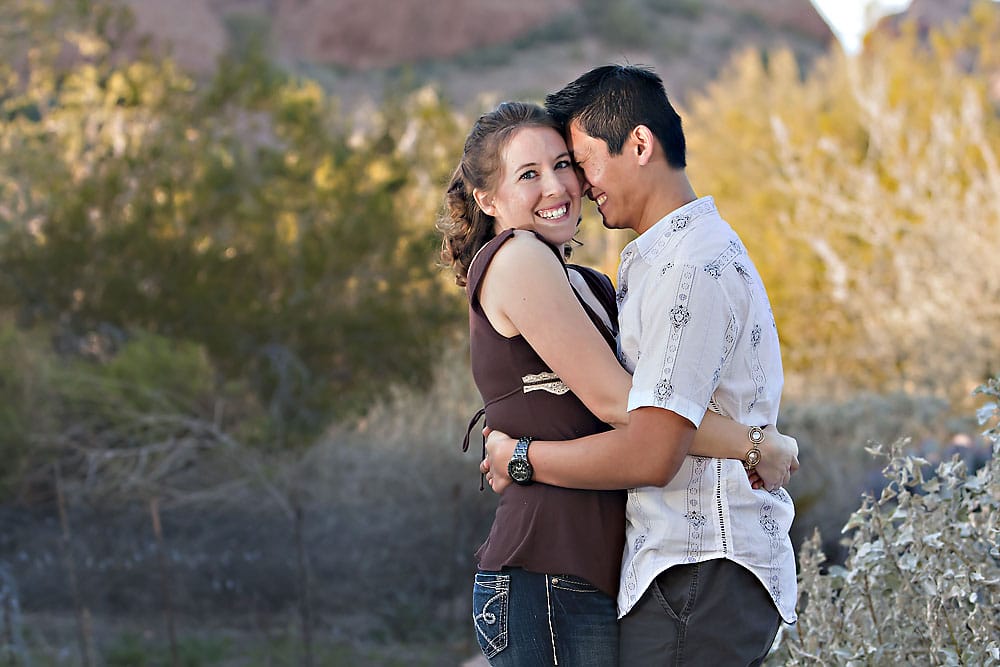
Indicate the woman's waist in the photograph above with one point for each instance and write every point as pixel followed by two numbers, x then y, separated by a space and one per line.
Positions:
pixel 543 422
pixel 563 507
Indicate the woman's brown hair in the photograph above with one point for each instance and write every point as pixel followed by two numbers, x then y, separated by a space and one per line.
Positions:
pixel 463 225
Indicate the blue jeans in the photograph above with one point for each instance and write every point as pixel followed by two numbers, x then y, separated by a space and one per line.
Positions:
pixel 524 619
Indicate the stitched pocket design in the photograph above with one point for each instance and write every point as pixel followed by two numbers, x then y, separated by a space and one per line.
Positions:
pixel 490 598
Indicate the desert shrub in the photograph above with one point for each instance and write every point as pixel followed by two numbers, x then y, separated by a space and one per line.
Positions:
pixel 922 582
pixel 837 470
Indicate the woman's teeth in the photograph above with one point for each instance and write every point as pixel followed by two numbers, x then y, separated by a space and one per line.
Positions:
pixel 554 213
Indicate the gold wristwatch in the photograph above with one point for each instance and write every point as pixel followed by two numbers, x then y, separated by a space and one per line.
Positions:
pixel 756 436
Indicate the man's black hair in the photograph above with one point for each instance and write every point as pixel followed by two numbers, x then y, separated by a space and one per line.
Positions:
pixel 610 101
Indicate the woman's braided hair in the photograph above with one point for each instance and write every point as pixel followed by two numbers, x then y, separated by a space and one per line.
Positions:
pixel 464 227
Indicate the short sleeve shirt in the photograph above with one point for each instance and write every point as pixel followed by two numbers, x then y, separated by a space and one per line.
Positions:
pixel 696 330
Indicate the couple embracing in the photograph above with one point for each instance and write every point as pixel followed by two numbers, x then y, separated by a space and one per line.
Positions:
pixel 641 518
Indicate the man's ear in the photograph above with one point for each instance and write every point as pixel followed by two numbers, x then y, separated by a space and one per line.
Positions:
pixel 643 143
pixel 485 201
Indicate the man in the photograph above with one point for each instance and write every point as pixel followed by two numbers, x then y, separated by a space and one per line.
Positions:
pixel 708 571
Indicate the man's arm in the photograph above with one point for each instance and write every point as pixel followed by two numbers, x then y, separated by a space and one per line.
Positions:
pixel 721 437
pixel 648 452
pixel 603 460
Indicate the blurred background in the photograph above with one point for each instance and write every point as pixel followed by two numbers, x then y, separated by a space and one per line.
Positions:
pixel 234 381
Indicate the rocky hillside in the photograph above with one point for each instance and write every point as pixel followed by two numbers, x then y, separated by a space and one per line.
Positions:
pixel 477 48
pixel 484 49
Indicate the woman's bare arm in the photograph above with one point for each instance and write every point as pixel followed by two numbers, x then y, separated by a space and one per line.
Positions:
pixel 525 291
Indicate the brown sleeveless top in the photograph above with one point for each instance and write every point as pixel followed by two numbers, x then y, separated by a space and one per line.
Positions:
pixel 538 527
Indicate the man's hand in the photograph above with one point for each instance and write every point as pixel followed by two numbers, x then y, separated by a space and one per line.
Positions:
pixel 499 449
pixel 779 458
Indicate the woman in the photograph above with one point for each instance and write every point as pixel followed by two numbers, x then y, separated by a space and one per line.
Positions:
pixel 542 337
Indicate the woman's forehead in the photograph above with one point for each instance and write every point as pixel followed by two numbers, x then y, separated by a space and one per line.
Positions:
pixel 535 139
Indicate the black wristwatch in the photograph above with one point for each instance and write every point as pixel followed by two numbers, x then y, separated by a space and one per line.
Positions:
pixel 519 469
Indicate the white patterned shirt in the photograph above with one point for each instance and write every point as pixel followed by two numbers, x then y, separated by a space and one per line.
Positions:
pixel 697 330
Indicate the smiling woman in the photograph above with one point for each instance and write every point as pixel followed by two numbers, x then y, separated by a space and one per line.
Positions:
pixel 548 572
pixel 540 194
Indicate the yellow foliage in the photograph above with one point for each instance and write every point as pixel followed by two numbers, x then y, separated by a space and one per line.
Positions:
pixel 304 93
pixel 287 227
pixel 326 176
pixel 868 194
pixel 378 172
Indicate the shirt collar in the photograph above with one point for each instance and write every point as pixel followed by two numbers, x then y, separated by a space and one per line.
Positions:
pixel 653 239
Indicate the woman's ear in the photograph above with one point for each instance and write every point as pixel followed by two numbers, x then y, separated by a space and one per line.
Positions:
pixel 485 201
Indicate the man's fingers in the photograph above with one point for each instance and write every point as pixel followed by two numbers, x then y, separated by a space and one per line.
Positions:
pixel 484 466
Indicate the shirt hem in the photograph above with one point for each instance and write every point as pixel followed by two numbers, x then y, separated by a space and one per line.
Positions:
pixel 690 410
pixel 787 616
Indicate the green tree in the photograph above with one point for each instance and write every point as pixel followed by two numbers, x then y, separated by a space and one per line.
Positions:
pixel 244 214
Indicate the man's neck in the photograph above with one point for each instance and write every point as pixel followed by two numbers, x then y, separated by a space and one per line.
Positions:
pixel 669 194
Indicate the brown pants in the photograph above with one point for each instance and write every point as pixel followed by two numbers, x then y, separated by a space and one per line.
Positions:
pixel 710 613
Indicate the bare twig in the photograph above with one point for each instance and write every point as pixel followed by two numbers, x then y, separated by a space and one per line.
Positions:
pixel 66 547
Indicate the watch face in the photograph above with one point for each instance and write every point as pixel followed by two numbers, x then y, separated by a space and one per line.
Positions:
pixel 520 470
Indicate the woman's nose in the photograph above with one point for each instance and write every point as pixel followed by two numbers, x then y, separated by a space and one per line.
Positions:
pixel 552 184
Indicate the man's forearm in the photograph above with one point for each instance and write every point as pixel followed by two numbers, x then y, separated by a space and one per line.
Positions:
pixel 617 459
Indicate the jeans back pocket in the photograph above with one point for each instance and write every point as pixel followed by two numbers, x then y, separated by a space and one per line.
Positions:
pixel 490 599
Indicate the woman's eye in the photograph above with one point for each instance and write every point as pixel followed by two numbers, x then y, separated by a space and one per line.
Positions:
pixel 563 164
pixel 531 173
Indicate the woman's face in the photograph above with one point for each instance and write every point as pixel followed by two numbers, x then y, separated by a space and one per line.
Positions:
pixel 538 187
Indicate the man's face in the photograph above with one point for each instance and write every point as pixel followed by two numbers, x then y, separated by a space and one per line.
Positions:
pixel 606 179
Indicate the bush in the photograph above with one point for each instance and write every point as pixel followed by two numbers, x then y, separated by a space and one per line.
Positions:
pixel 837 471
pixel 922 582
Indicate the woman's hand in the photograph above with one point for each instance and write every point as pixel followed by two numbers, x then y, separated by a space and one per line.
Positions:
pixel 779 458
pixel 499 449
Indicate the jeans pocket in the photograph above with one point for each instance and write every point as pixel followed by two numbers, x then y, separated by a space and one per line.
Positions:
pixel 573 584
pixel 676 588
pixel 490 598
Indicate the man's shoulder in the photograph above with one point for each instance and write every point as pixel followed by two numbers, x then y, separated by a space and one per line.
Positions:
pixel 699 245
